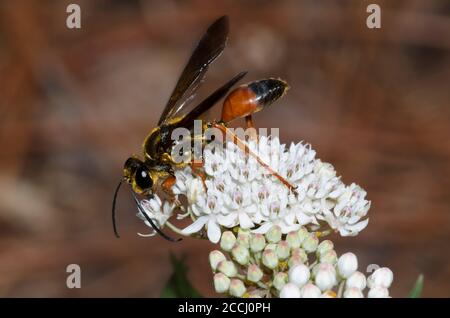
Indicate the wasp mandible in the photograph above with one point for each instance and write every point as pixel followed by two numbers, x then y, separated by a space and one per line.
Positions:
pixel 156 168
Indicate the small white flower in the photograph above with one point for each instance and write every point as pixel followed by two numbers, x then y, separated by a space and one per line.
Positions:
pixel 381 277
pixel 353 292
pixel 310 291
pixel 378 292
pixel 347 264
pixel 290 290
pixel 356 280
pixel 299 275
pixel 157 211
pixel 325 278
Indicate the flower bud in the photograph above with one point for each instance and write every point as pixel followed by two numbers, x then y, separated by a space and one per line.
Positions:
pixel 290 291
pixel 293 239
pixel 240 254
pixel 254 273
pixel 256 293
pixel 274 234
pixel 353 292
pixel 381 277
pixel 302 234
pixel 356 280
pixel 237 288
pixel 257 243
pixel 243 238
pixel 310 291
pixel 378 292
pixel 283 250
pixel 221 283
pixel 272 247
pixel 227 241
pixel 299 275
pixel 324 247
pixel 300 253
pixel 228 268
pixel 270 259
pixel 310 243
pixel 294 260
pixel 329 257
pixel 325 277
pixel 347 264
pixel 215 257
pixel 280 280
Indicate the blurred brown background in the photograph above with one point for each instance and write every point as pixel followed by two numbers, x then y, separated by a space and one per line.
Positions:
pixel 75 103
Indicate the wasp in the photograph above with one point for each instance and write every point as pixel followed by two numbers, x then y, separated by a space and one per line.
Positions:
pixel 156 168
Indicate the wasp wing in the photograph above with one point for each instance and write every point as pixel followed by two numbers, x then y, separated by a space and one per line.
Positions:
pixel 208 49
pixel 188 120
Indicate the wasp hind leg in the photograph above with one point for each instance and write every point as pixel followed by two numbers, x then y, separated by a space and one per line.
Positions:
pixel 250 125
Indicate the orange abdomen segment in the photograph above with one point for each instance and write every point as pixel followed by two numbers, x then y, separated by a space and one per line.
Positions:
pixel 251 98
pixel 239 103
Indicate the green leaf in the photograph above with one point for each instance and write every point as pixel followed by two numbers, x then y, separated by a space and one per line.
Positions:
pixel 417 289
pixel 178 285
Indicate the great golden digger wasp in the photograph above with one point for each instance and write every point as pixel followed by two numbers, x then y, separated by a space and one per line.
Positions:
pixel 156 169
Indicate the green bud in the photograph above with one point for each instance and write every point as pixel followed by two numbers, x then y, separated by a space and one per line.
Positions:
pixel 295 260
pixel 329 257
pixel 300 253
pixel 310 243
pixel 240 254
pixel 324 247
pixel 270 259
pixel 302 234
pixel 237 288
pixel 215 257
pixel 254 273
pixel 221 283
pixel 283 250
pixel 280 280
pixel 257 243
pixel 274 234
pixel 243 237
pixel 227 241
pixel 228 268
pixel 272 247
pixel 293 239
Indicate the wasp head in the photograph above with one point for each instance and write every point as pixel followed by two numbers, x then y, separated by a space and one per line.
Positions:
pixel 139 176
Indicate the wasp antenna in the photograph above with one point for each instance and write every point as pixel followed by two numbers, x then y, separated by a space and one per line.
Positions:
pixel 141 209
pixel 114 209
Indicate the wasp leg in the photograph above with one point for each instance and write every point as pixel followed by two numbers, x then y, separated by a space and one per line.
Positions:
pixel 167 185
pixel 250 124
pixel 243 146
pixel 195 167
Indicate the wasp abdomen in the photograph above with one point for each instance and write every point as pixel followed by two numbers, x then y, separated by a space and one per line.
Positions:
pixel 252 97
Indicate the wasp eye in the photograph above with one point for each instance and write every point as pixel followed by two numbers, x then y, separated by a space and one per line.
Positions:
pixel 143 179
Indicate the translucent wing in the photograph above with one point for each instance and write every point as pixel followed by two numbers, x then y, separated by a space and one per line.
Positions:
pixel 208 49
pixel 188 120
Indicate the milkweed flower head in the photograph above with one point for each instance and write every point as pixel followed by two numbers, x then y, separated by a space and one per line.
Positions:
pixel 270 235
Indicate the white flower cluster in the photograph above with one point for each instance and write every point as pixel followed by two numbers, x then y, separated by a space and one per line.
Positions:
pixel 239 192
pixel 290 266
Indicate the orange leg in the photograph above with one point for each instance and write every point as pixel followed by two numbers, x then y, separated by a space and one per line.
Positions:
pixel 243 146
pixel 250 124
pixel 196 166
pixel 167 185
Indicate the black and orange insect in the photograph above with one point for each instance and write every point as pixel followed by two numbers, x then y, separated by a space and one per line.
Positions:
pixel 156 168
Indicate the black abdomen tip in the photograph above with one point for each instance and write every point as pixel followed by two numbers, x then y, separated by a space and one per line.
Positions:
pixel 268 90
